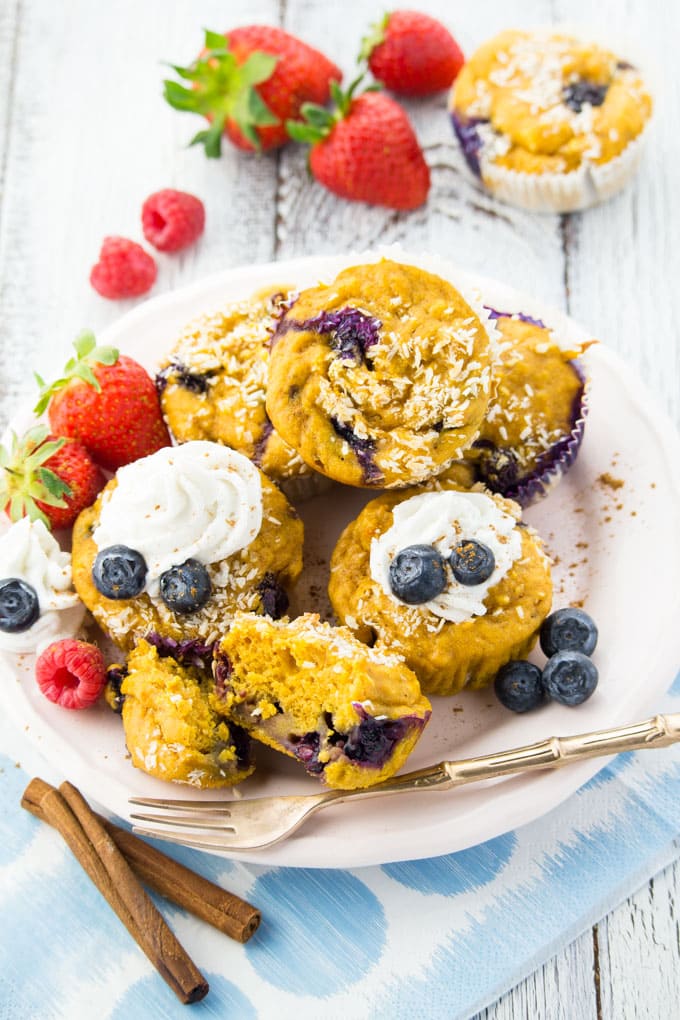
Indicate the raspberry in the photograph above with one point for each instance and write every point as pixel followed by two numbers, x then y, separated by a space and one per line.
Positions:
pixel 124 269
pixel 71 673
pixel 172 219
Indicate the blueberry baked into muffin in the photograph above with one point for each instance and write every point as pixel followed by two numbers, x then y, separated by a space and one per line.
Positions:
pixel 382 377
pixel 548 121
pixel 350 714
pixel 212 385
pixel 535 423
pixel 171 729
pixel 450 579
pixel 180 540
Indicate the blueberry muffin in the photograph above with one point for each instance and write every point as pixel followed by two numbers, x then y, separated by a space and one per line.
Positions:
pixel 350 714
pixel 450 579
pixel 535 423
pixel 180 540
pixel 381 378
pixel 550 122
pixel 171 730
pixel 212 385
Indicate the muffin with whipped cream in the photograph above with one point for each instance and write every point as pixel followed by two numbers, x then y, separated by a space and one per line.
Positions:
pixel 381 378
pixel 350 714
pixel 38 604
pixel 449 578
pixel 533 429
pixel 213 382
pixel 180 540
pixel 171 729
pixel 548 121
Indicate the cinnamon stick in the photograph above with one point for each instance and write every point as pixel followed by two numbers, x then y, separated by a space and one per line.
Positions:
pixel 223 910
pixel 68 812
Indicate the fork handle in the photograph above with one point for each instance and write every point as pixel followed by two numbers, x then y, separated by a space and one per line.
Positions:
pixel 553 753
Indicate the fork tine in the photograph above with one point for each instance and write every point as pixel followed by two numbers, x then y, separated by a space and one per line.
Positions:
pixel 203 823
pixel 219 806
pixel 187 838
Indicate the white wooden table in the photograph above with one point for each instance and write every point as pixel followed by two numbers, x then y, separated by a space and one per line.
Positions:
pixel 85 136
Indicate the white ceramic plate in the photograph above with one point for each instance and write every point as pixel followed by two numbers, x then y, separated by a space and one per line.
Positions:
pixel 616 551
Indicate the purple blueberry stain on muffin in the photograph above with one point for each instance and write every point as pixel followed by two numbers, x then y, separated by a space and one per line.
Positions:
pixel 522 316
pixel 578 94
pixel 190 652
pixel 351 332
pixel 371 743
pixel 470 139
pixel 273 596
pixel 241 743
pixel 195 382
pixel 261 444
pixel 363 449
pixel 498 467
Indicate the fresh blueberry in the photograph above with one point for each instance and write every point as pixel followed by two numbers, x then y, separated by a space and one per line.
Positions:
pixel 417 574
pixel 19 608
pixel 186 588
pixel 578 93
pixel 569 677
pixel 472 562
pixel 119 572
pixel 568 629
pixel 519 686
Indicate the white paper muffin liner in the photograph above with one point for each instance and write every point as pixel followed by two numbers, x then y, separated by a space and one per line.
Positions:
pixel 590 184
pixel 578 189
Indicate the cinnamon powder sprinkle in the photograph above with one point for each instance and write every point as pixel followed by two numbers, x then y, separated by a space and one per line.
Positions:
pixel 610 481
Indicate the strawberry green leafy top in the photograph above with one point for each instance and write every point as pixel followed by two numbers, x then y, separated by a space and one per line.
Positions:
pixel 88 353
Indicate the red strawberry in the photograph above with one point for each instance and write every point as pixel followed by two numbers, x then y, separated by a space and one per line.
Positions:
pixel 106 401
pixel 47 478
pixel 412 53
pixel 71 673
pixel 248 82
pixel 365 150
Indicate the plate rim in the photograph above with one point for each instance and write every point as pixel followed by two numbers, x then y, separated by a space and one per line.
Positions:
pixel 299 852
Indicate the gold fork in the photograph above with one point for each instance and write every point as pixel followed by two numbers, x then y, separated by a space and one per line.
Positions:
pixel 255 824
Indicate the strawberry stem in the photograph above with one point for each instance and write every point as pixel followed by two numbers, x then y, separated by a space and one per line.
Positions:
pixel 318 121
pixel 88 354
pixel 374 37
pixel 25 479
pixel 223 90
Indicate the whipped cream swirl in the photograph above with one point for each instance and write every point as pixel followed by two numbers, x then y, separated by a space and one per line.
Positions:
pixel 200 501
pixel 443 519
pixel 29 552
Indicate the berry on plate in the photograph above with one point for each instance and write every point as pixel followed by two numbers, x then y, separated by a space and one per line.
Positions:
pixel 247 83
pixel 123 270
pixel 417 574
pixel 172 219
pixel 568 629
pixel 569 677
pixel 106 401
pixel 47 478
pixel 412 53
pixel 71 673
pixel 519 686
pixel 365 149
